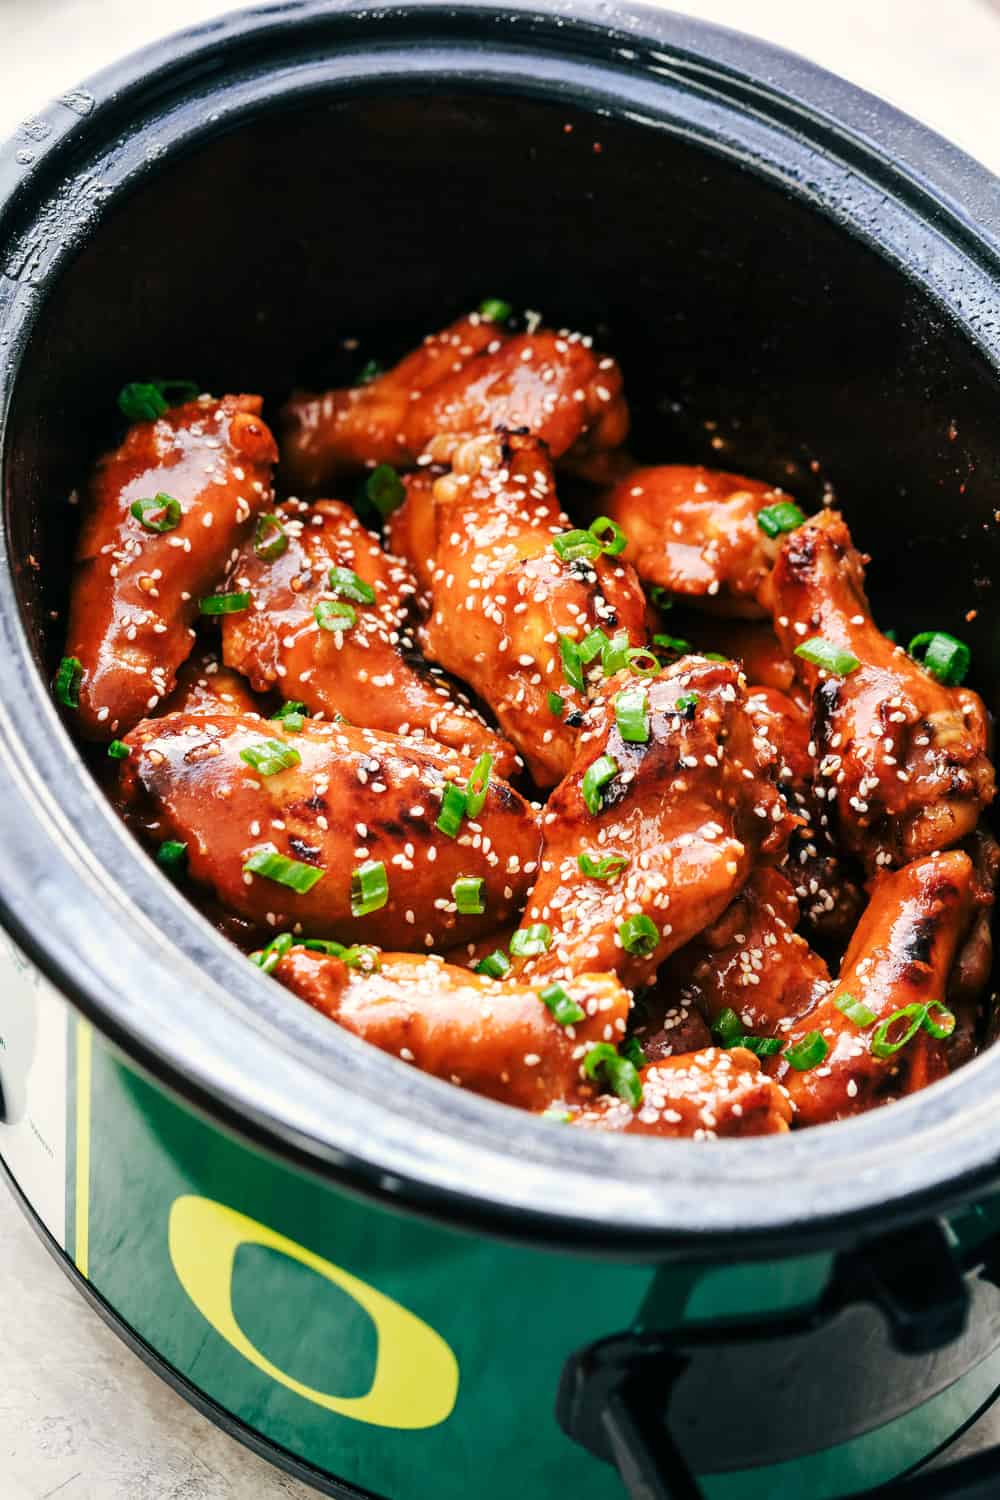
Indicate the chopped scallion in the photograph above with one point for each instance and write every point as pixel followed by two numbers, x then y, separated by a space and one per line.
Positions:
pixel 478 786
pixel 944 656
pixel 608 867
pixel 596 778
pixel 453 806
pixel 570 545
pixel 556 704
pixel 686 704
pixel 467 894
pixel 270 539
pixel 172 856
pixel 529 942
pixel 572 666
pixel 66 687
pixel 808 1053
pixel 495 309
pixel 346 582
pixel 224 604
pixel 610 537
pixel 385 490
pixel 293 873
pixel 334 615
pixel 641 662
pixel 728 1027
pixel 369 888
pixel 163 513
pixel 632 715
pixel 784 515
pixel 118 750
pixel 564 1009
pixel 495 965
pixel 268 757
pixel 854 1010
pixel 639 935
pixel 602 1063
pixel 825 654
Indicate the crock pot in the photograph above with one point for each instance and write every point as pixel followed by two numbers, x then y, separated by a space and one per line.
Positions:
pixel 384 1284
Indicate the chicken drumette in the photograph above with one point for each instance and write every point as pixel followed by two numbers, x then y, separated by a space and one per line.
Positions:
pixel 704 1095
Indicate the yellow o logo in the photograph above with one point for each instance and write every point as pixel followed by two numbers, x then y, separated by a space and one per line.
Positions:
pixel 416 1374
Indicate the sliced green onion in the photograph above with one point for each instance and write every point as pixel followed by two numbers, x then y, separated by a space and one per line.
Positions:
pixel 66 687
pixel 915 1014
pixel 563 1116
pixel 293 873
pixel 945 657
pixel 370 370
pixel 728 1027
pixel 268 958
pixel 596 778
pixel 607 868
pixel 564 1009
pixel 686 704
pixel 160 514
pixel 335 615
pixel 632 715
pixel 369 888
pixel 385 490
pixel 945 1026
pixel 478 786
pixel 529 942
pixel 359 956
pixel 270 539
pixel 618 1073
pixel 808 1053
pixel 291 715
pixel 345 581
pixel 467 894
pixel 784 515
pixel 673 643
pixel 828 656
pixel 761 1046
pixel 854 1010
pixel 609 535
pixel 556 704
pixel 714 656
pixel 615 654
pixel 177 392
pixel 569 651
pixel 142 401
pixel 268 757
pixel 570 545
pixel 495 965
pixel 118 750
pixel 594 643
pixel 224 604
pixel 642 662
pixel 631 1050
pixel 453 805
pixel 495 310
pixel 172 856
pixel 639 935
pixel 661 597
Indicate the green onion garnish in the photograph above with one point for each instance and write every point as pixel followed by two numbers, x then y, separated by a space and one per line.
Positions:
pixel 478 785
pixel 270 539
pixel 639 935
pixel 569 545
pixel 784 515
pixel 335 615
pixel 369 888
pixel 291 715
pixel 615 654
pixel 569 651
pixel 385 490
pixel 661 597
pixel 594 643
pixel 359 956
pixel 714 656
pixel 631 1050
pixel 268 757
pixel 642 662
pixel 808 1053
pixel 945 1026
pixel 761 1046
pixel 268 958
pixel 918 1015
pixel 609 535
pixel 345 581
pixel 224 604
pixel 564 1009
pixel 161 514
pixel 453 806
pixel 467 894
pixel 563 1116
pixel 293 873
pixel 632 715
pixel 728 1027
pixel 66 687
pixel 141 401
pixel 529 942
pixel 854 1010
pixel 369 371
pixel 596 778
pixel 172 856
pixel 118 750
pixel 495 310
pixel 675 644
pixel 556 704
pixel 618 1073
pixel 687 703
pixel 607 868
pixel 945 657
pixel 495 965
pixel 828 656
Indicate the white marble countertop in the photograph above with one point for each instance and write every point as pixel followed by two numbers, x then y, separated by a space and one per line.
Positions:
pixel 80 1416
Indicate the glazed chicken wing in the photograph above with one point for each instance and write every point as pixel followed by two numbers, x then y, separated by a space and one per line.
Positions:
pixel 694 531
pixel 495 1039
pixel 138 581
pixel 704 1095
pixel 658 834
pixel 328 627
pixel 754 644
pixel 205 685
pixel 505 608
pixel 330 800
pixel 901 758
pixel 472 378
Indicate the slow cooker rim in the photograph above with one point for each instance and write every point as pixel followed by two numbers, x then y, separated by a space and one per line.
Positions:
pixel 550 1210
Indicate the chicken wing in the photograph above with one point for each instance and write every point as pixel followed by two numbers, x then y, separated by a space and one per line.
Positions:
pixel 329 800
pixel 704 1095
pixel 901 759
pixel 471 378
pixel 659 835
pixel 495 1039
pixel 505 609
pixel 164 512
pixel 901 955
pixel 297 638
pixel 205 685
pixel 694 531
pixel 754 644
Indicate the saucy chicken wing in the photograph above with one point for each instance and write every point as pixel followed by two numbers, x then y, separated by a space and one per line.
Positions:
pixel 471 378
pixel 901 759
pixel 654 830
pixel 506 612
pixel 164 512
pixel 704 1095
pixel 328 627
pixel 331 830
pixel 495 1039
pixel 204 684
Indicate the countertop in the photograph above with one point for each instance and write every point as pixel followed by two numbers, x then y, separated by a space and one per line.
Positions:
pixel 80 1416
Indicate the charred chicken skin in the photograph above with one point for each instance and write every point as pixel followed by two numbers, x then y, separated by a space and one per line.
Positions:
pixel 328 626
pixel 198 477
pixel 331 799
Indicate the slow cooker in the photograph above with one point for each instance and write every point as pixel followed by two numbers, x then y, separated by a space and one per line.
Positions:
pixel 387 1286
